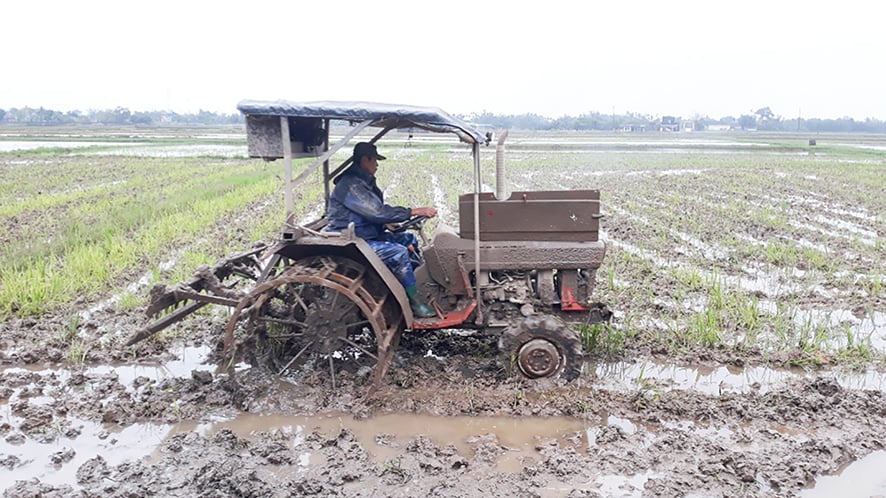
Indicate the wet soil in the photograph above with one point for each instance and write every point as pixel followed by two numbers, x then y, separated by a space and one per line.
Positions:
pixel 448 421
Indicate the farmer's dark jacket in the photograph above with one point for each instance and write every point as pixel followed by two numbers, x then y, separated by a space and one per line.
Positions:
pixel 356 198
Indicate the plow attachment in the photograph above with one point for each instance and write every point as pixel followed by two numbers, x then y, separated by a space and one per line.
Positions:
pixel 290 313
pixel 207 287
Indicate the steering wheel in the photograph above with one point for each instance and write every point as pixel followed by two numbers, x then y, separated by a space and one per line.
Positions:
pixel 412 223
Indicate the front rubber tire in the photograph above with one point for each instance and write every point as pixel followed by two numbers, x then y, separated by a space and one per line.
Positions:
pixel 542 347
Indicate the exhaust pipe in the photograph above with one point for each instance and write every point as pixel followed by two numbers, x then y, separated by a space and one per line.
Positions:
pixel 500 192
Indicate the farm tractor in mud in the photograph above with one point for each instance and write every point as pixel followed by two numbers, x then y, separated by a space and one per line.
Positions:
pixel 523 267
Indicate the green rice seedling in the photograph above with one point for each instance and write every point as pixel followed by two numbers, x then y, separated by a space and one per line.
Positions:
pixel 748 313
pixel 821 334
pixel 87 268
pixel 128 301
pixel 112 210
pixel 471 389
pixel 716 293
pixel 69 331
pixel 676 332
pixel 806 336
pixel 176 409
pixel 396 467
pixel 405 380
pixel 816 259
pixel 77 352
pixel 196 258
pixel 704 328
pixel 857 349
pixel 519 398
pixel 782 326
pixel 602 338
pixel 581 408
pixel 646 391
pixel 509 366
pixel 690 278
pixel 640 381
pixel 782 254
pixel 26 290
pixel 770 217
pixel 610 279
pixel 872 284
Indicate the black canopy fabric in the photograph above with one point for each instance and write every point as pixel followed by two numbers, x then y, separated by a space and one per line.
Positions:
pixel 382 115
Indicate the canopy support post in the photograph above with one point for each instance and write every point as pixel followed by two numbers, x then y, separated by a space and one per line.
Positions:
pixel 475 149
pixel 287 167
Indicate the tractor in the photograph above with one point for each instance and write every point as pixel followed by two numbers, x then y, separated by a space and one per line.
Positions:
pixel 522 267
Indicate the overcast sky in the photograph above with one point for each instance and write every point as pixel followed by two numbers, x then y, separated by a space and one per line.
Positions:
pixel 549 57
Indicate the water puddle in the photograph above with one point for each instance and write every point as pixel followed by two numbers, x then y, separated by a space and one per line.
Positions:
pixel 193 150
pixel 191 358
pixel 8 146
pixel 863 146
pixel 809 199
pixel 845 328
pixel 385 437
pixel 714 380
pixel 57 461
pixel 831 233
pixel 862 478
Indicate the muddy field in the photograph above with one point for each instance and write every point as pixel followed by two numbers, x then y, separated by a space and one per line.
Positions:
pixel 780 391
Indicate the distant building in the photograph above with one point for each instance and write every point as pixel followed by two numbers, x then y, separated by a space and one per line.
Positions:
pixel 673 124
pixel 634 128
pixel 669 123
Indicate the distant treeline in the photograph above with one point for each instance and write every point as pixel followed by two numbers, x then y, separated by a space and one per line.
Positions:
pixel 119 116
pixel 763 119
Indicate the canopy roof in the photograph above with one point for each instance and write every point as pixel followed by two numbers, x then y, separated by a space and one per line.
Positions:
pixel 392 116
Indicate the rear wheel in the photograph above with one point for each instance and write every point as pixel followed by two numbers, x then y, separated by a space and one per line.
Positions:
pixel 325 312
pixel 542 346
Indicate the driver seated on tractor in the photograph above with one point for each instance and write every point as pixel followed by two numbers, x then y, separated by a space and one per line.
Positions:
pixel 357 199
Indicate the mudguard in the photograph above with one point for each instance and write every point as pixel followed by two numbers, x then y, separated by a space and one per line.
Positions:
pixel 308 243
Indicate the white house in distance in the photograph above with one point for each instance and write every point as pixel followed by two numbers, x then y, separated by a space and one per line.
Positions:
pixel 673 124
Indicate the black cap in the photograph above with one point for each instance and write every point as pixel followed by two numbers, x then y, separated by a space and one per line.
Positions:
pixel 366 149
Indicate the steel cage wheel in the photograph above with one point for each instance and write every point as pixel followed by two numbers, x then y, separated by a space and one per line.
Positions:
pixel 322 309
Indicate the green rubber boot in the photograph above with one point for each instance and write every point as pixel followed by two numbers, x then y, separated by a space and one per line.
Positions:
pixel 419 309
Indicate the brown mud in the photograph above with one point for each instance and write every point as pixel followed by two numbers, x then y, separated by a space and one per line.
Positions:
pixel 448 421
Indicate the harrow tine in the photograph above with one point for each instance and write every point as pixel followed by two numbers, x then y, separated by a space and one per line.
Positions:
pixel 164 322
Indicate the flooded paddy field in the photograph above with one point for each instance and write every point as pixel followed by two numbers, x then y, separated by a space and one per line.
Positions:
pixel 745 355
